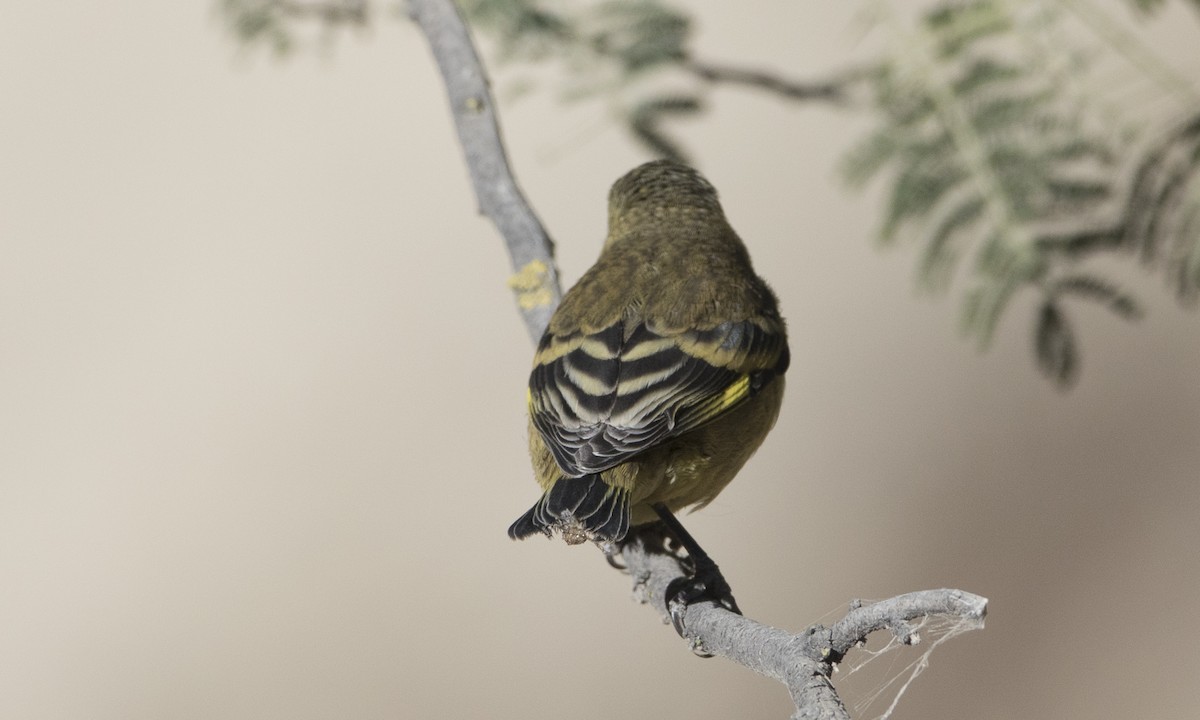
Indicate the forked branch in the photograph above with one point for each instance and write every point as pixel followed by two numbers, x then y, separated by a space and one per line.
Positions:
pixel 802 661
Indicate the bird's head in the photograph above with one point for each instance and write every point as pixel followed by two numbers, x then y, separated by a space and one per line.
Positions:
pixel 659 191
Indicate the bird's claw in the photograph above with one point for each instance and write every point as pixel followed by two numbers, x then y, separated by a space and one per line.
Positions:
pixel 706 584
pixel 611 557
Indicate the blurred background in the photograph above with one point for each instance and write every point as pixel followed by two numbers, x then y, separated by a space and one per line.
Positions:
pixel 262 403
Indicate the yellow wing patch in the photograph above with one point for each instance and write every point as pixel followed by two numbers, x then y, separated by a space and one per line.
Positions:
pixel 735 393
pixel 732 395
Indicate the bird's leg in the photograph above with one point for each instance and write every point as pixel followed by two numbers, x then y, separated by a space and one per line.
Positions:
pixel 705 583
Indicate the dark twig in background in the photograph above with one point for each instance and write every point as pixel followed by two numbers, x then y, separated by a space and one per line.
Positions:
pixel 833 90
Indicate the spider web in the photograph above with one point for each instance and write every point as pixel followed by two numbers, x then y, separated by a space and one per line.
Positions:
pixel 874 677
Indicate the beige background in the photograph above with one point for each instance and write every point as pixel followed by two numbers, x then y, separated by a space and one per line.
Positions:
pixel 261 424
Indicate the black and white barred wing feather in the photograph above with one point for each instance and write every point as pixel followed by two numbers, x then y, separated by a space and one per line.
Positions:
pixel 599 399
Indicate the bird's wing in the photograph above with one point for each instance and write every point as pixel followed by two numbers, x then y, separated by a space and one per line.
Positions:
pixel 599 399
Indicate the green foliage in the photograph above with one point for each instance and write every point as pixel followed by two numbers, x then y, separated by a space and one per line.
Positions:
pixel 257 23
pixel 1006 156
pixel 1150 7
pixel 956 26
pixel 1098 290
pixel 273 24
pixel 990 150
pixel 1055 346
pixel 631 36
pixel 1162 217
pixel 521 28
pixel 610 50
pixel 639 35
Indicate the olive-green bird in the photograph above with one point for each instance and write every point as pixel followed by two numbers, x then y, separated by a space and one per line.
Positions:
pixel 660 373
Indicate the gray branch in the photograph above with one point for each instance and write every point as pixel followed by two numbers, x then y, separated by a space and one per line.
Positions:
pixel 535 280
pixel 803 662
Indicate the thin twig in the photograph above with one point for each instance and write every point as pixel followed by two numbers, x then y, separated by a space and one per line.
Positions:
pixel 833 90
pixel 895 613
pixel 535 282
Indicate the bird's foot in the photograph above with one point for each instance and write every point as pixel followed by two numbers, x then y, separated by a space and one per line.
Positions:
pixel 612 555
pixel 706 583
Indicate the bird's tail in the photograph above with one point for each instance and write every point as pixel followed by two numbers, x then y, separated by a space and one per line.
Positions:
pixel 582 508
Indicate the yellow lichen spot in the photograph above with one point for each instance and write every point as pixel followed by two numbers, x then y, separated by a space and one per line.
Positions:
pixel 531 285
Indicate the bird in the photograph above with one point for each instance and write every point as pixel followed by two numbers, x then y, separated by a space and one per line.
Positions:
pixel 659 375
